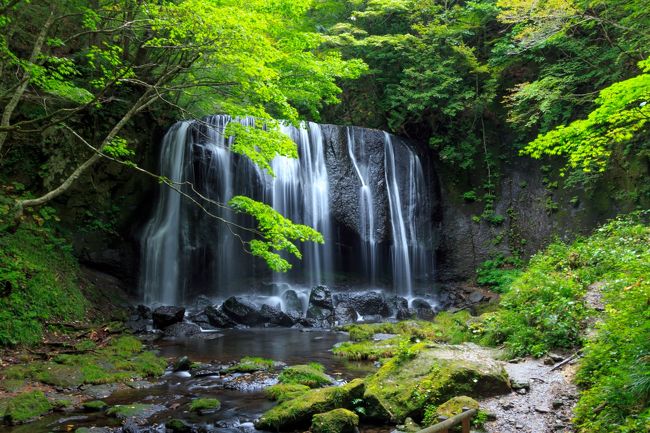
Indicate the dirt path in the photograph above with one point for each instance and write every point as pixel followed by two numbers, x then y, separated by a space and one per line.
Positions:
pixel 542 401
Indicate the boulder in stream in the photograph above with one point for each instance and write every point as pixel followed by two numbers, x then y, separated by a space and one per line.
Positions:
pixel 181 330
pixel 369 304
pixel 218 318
pixel 321 308
pixel 403 388
pixel 344 314
pixel 274 316
pixel 167 315
pixel 242 311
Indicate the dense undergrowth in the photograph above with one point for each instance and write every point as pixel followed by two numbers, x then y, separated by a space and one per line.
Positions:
pixel 39 283
pixel 554 302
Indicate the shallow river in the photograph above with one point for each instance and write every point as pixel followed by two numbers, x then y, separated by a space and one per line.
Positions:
pixel 238 408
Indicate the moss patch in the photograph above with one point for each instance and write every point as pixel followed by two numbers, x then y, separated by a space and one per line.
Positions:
pixel 25 407
pixel 137 410
pixel 298 412
pixel 404 387
pixel 39 279
pixel 122 360
pixel 204 405
pixel 335 421
pixel 94 406
pixel 283 392
pixel 251 364
pixel 311 375
pixel 367 350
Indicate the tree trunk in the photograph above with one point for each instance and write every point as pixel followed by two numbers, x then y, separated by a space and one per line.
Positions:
pixel 18 94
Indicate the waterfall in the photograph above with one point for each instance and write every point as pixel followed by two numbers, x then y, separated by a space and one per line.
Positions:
pixel 371 180
pixel 369 252
pixel 400 256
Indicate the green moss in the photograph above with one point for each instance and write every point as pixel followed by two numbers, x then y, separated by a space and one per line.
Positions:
pixel 39 278
pixel 95 405
pixel 178 426
pixel 298 412
pixel 401 389
pixel 335 421
pixel 250 364
pixel 367 350
pixel 311 375
pixel 454 406
pixel 284 392
pixel 122 360
pixel 25 407
pixel 12 385
pixel 204 405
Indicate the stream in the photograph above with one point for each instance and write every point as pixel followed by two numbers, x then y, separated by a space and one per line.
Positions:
pixel 239 408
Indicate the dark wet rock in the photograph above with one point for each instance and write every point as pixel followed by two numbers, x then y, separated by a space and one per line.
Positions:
pixel 144 312
pixel 131 427
pixel 405 314
pixel 201 302
pixel 424 314
pixel 419 303
pixel 140 384
pixel 167 315
pixel 292 304
pixel 370 304
pixel 250 382
pixel 344 313
pixel 242 311
pixel 476 297
pixel 321 309
pixel 99 391
pixel 182 364
pixel 218 318
pixel 181 330
pixel 275 316
pixel 321 296
pixel 203 369
pixel 396 304
pixel 137 413
pixel 203 320
pixel 138 326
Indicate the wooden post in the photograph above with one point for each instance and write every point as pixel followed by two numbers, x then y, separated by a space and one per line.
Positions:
pixel 443 427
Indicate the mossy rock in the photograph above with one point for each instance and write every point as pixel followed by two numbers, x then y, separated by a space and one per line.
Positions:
pixel 311 375
pixel 178 426
pixel 25 407
pixel 454 406
pixel 283 392
pixel 202 405
pixel 94 406
pixel 298 412
pixel 12 385
pixel 403 388
pixel 250 364
pixel 335 421
pixel 138 411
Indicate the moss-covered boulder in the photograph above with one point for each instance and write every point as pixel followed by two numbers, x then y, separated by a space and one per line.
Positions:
pixel 205 405
pixel 283 392
pixel 251 364
pixel 404 387
pixel 298 412
pixel 25 407
pixel 335 421
pixel 312 375
pixel 137 412
pixel 94 406
pixel 454 406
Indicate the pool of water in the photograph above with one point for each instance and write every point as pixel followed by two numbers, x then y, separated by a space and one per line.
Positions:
pixel 239 409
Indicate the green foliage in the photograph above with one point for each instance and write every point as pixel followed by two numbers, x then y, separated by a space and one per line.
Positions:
pixel 621 115
pixel 38 283
pixel 499 273
pixel 204 404
pixel 545 309
pixel 261 143
pixel 277 233
pixel 283 392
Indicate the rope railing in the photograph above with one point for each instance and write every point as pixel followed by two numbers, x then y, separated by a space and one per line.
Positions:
pixel 463 418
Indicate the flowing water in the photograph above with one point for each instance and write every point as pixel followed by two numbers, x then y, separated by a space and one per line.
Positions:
pixel 188 250
pixel 239 408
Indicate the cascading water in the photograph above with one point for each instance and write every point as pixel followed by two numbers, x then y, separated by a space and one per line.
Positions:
pixel 369 254
pixel 186 252
pixel 400 248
